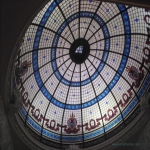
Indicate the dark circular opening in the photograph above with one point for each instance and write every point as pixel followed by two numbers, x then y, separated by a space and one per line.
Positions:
pixel 79 51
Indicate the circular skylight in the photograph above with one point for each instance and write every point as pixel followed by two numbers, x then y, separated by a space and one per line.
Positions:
pixel 81 69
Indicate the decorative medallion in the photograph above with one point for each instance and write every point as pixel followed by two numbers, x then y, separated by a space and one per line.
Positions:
pixel 72 125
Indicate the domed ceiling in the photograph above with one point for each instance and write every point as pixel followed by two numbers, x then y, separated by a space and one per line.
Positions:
pixel 81 69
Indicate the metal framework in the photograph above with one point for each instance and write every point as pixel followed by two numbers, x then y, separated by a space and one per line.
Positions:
pixel 91 31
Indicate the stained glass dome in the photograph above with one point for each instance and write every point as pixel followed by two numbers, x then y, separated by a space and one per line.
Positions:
pixel 81 69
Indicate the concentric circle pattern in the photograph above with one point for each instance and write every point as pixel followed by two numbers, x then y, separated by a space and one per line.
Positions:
pixel 82 69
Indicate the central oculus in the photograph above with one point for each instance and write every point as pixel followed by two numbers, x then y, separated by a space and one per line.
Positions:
pixel 79 51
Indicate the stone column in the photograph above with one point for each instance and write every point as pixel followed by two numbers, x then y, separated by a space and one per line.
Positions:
pixel 5 135
pixel 145 103
pixel 144 138
pixel 73 147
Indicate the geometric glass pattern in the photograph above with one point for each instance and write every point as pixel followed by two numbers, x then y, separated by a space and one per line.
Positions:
pixel 70 102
